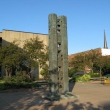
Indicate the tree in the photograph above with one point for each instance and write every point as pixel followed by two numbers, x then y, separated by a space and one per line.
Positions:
pixel 45 72
pixel 101 62
pixel 92 57
pixel 11 56
pixel 37 52
pixel 79 62
pixel 71 72
pixel 106 68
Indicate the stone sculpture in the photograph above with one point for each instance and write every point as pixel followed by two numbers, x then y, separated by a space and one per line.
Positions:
pixel 58 54
pixel 58 58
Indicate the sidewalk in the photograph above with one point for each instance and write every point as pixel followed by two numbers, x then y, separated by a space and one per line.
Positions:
pixel 91 97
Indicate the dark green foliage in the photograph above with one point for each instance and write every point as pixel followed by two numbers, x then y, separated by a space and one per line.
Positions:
pixel 12 57
pixel 22 76
pixel 79 62
pixel 18 78
pixel 45 72
pixel 94 75
pixel 73 79
pixel 71 72
pixel 14 85
pixel 38 55
pixel 36 51
pixel 17 82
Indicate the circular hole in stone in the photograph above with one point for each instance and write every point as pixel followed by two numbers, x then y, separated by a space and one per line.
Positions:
pixel 58 25
pixel 59 67
pixel 58 31
pixel 59 52
pixel 60 86
pixel 59 45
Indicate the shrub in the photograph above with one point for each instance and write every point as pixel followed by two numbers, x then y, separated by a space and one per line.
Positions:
pixel 81 78
pixel 18 81
pixel 15 85
pixel 2 86
pixel 71 72
pixel 22 76
pixel 7 79
pixel 94 75
pixel 45 73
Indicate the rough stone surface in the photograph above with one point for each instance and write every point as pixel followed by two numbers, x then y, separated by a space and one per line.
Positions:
pixel 58 55
pixel 53 71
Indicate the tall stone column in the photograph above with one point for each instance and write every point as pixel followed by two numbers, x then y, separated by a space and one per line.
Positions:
pixel 58 54
pixel 58 59
pixel 64 48
pixel 53 67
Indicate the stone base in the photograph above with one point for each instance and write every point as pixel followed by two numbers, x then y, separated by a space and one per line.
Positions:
pixel 51 97
pixel 64 96
pixel 68 95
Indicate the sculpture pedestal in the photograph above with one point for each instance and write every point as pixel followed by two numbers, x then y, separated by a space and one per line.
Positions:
pixel 63 96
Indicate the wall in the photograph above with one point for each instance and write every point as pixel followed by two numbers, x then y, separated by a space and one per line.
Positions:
pixel 0 34
pixel 105 52
pixel 9 36
pixel 0 46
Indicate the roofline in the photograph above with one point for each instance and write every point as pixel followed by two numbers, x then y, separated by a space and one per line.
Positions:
pixel 23 32
pixel 85 51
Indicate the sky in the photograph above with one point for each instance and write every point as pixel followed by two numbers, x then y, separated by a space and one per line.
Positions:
pixel 86 19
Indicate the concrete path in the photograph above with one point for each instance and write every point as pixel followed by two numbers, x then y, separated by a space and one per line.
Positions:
pixel 91 97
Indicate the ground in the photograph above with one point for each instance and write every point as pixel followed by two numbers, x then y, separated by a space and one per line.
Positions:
pixel 92 96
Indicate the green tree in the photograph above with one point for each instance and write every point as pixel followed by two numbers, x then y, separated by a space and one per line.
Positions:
pixel 37 52
pixel 106 68
pixel 92 57
pixel 71 71
pixel 11 56
pixel 101 63
pixel 79 62
pixel 45 72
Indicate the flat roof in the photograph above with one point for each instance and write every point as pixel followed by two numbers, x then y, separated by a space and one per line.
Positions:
pixel 23 32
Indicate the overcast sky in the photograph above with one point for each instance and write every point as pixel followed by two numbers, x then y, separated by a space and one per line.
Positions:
pixel 86 19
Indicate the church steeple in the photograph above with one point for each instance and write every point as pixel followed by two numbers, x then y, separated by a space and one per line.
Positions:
pixel 105 42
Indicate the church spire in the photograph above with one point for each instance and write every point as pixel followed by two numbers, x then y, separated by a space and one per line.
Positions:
pixel 105 42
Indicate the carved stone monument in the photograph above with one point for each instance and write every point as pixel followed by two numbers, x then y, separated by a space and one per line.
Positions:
pixel 58 58
pixel 58 54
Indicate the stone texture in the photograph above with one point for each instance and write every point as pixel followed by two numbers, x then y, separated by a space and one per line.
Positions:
pixel 58 54
pixel 53 68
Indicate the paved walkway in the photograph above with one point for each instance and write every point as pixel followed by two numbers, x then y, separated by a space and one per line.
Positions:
pixel 91 97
